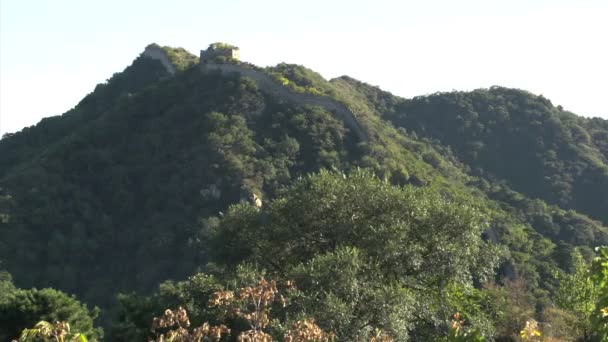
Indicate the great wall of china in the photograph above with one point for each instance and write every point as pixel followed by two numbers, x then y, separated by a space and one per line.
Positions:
pixel 272 87
pixel 269 85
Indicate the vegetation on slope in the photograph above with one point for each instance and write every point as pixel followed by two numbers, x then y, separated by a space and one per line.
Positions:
pixel 138 163
pixel 181 58
pixel 511 135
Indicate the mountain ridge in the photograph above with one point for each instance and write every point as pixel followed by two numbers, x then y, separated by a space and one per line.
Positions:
pixel 140 160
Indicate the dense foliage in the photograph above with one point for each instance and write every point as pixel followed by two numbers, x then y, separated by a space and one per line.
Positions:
pixel 301 79
pixel 538 149
pixel 21 309
pixel 358 264
pixel 123 192
pixel 599 277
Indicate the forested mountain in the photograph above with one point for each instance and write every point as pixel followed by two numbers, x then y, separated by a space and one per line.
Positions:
pixel 511 135
pixel 493 189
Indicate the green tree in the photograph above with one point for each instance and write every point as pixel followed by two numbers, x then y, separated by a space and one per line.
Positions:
pixel 21 309
pixel 56 332
pixel 135 312
pixel 409 231
pixel 375 255
pixel 578 294
pixel 600 279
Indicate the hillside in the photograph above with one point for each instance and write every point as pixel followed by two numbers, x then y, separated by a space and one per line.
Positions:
pixel 113 195
pixel 512 135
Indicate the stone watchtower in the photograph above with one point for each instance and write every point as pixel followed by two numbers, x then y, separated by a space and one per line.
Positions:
pixel 220 53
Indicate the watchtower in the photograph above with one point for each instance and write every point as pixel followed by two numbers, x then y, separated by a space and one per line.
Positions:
pixel 220 53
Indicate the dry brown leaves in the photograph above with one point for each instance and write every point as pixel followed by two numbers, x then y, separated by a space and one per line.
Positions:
pixel 178 322
pixel 252 303
pixel 308 331
pixel 457 322
pixel 254 336
pixel 221 298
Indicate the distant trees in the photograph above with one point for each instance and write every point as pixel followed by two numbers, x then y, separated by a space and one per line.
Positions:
pixel 301 79
pixel 138 162
pixel 538 149
pixel 180 58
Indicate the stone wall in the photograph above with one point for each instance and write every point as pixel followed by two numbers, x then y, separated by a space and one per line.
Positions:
pixel 210 55
pixel 156 52
pixel 270 86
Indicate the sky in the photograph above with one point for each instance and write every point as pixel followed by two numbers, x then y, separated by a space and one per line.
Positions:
pixel 53 53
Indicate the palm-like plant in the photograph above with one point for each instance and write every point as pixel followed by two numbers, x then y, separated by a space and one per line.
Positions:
pixel 58 332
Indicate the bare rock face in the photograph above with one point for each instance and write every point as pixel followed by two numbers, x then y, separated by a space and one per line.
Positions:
pixel 156 52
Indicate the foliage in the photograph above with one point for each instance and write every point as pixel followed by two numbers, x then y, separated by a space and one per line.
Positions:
pixel 253 304
pixel 222 46
pixel 343 252
pixel 531 332
pixel 387 249
pixel 558 324
pixel 136 312
pixel 308 331
pixel 220 53
pixel 421 230
pixel 514 304
pixel 180 58
pixel 58 332
pixel 459 332
pixel 178 323
pixel 600 279
pixel 145 157
pixel 21 309
pixel 513 135
pixel 107 173
pixel 301 79
pixel 577 294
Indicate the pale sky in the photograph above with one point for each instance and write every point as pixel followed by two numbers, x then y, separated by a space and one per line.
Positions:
pixel 52 53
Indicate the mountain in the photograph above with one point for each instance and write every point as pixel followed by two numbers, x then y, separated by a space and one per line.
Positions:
pixel 511 135
pixel 108 197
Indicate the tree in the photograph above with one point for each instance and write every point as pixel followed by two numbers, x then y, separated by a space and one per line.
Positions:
pixel 600 279
pixel 578 294
pixel 58 332
pixel 252 305
pixel 174 325
pixel 415 232
pixel 366 254
pixel 21 309
pixel 135 312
